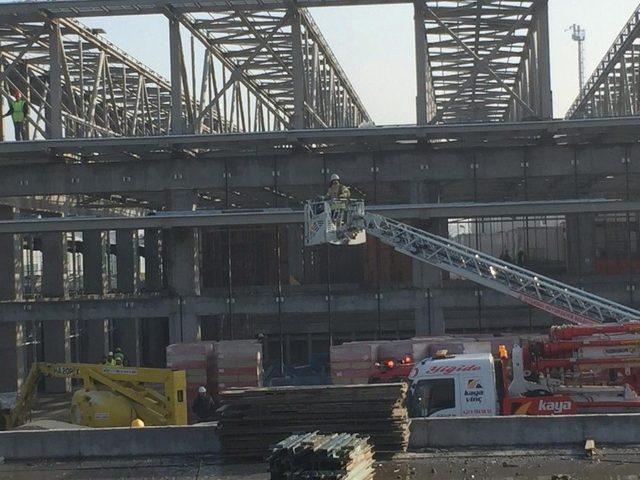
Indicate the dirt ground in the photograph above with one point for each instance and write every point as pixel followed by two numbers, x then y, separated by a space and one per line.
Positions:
pixel 554 464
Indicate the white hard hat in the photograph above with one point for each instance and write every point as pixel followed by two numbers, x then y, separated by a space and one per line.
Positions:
pixel 335 177
pixel 202 390
pixel 110 354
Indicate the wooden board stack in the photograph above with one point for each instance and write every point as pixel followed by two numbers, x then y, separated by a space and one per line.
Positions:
pixel 252 420
pixel 341 456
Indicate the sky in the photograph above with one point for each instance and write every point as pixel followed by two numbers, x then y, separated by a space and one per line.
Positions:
pixel 375 47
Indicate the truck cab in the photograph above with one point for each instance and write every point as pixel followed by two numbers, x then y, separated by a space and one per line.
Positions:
pixel 454 386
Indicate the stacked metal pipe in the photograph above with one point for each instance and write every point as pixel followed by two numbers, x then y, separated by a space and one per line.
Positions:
pixel 310 456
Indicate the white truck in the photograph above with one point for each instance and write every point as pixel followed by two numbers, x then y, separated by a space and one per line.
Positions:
pixel 454 386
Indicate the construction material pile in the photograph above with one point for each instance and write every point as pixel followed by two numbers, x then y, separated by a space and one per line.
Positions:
pixel 217 366
pixel 252 420
pixel 238 364
pixel 340 456
pixel 197 359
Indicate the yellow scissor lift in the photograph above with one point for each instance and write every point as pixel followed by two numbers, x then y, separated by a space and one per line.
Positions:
pixel 111 396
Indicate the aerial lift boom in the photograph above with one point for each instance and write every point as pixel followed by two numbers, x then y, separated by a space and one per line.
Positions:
pixel 345 222
pixel 155 395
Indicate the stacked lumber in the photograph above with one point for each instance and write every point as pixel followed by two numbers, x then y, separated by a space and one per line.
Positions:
pixel 341 456
pixel 251 420
pixel 238 364
pixel 198 361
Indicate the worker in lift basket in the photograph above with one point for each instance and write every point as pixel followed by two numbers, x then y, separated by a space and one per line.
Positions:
pixel 339 195
pixel 203 406
pixel 337 191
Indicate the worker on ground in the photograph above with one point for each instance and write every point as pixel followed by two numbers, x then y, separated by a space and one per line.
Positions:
pixel 119 355
pixel 337 191
pixel 203 406
pixel 18 110
pixel 110 359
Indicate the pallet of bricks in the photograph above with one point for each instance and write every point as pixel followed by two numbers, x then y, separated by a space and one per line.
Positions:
pixel 238 364
pixel 252 420
pixel 339 456
pixel 217 366
pixel 353 363
pixel 198 361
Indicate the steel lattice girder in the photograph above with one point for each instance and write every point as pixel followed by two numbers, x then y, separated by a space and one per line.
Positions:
pixel 613 90
pixel 487 60
pixel 284 63
pixel 105 92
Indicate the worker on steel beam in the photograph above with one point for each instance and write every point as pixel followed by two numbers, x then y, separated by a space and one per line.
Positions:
pixel 18 108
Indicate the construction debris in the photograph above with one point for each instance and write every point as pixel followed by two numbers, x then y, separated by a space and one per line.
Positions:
pixel 590 447
pixel 252 420
pixel 340 456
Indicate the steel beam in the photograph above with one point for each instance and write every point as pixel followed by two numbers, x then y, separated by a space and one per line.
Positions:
pixel 177 64
pixel 23 11
pixel 523 133
pixel 54 111
pixel 199 219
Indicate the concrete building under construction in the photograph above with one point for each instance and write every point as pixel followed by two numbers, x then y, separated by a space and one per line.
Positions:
pixel 147 211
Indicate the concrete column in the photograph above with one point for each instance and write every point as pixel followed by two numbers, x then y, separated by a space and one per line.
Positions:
pixel 299 90
pixel 183 270
pixel 94 257
pixel 12 356
pixel 177 63
pixel 183 250
pixel 55 335
pixel 152 261
pixel 581 244
pixel 429 314
pixel 127 337
pixel 54 265
pixel 54 117
pixel 184 324
pixel 97 338
pixel 57 348
pixel 128 329
pixel 10 260
pixel 11 334
pixel 127 261
pixel 155 335
pixel 295 253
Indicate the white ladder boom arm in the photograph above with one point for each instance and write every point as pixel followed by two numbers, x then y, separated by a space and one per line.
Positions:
pixel 559 299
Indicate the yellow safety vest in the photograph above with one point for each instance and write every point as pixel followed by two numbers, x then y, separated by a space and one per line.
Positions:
pixel 18 110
